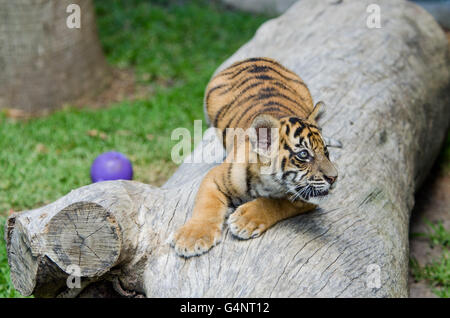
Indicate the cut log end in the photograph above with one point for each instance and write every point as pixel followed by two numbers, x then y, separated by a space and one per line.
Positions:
pixel 85 235
pixel 84 239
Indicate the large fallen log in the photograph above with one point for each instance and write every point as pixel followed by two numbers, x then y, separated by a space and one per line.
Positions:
pixel 387 92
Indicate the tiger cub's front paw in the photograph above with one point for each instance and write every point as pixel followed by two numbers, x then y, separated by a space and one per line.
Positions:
pixel 247 221
pixel 195 238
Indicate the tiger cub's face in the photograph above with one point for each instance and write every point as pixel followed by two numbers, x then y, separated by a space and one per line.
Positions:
pixel 303 168
pixel 304 165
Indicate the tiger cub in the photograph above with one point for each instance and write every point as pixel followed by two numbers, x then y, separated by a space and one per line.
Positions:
pixel 258 94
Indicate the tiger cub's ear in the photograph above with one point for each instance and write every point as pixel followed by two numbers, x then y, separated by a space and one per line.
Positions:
pixel 264 134
pixel 317 111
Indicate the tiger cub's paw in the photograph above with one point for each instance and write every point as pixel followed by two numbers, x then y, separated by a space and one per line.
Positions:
pixel 195 238
pixel 247 222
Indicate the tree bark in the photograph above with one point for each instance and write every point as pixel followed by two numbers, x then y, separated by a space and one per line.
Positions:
pixel 43 62
pixel 387 92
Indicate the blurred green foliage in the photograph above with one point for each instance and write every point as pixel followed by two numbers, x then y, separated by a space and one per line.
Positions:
pixel 437 272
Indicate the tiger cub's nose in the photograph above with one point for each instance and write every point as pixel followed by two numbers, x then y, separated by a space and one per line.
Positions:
pixel 330 179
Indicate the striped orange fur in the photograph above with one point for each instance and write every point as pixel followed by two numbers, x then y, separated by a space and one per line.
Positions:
pixel 261 96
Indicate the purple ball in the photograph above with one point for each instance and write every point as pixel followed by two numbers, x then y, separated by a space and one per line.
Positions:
pixel 111 165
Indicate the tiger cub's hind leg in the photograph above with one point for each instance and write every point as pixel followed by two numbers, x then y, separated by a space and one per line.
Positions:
pixel 253 218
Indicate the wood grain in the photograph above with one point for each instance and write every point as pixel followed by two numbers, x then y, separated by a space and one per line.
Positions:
pixel 387 92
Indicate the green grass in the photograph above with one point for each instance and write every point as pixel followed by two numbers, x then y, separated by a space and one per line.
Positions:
pixel 437 272
pixel 437 234
pixel 172 46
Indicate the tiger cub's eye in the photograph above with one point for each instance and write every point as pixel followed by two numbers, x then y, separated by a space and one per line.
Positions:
pixel 304 154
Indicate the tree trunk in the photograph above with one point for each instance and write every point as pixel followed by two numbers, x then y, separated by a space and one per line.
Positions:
pixel 387 92
pixel 43 62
